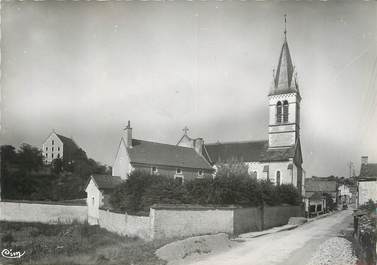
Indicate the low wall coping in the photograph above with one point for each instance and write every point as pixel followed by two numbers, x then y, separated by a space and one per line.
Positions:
pixel 192 207
pixel 46 202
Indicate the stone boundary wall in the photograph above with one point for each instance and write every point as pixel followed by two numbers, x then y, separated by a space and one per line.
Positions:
pixel 279 215
pixel 183 221
pixel 43 213
pixel 124 224
pixel 164 221
pixel 247 220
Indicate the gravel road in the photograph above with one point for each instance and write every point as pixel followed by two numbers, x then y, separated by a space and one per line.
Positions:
pixel 300 246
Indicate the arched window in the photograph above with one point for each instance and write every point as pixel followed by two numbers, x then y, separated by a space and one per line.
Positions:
pixel 285 111
pixel 278 112
pixel 278 177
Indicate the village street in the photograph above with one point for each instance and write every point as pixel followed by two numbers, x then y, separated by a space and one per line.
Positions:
pixel 296 246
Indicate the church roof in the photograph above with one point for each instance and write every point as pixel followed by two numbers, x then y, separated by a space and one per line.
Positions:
pixel 153 153
pixel 284 81
pixel 368 170
pixel 252 151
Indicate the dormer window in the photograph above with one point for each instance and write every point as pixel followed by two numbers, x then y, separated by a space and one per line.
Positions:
pixel 178 171
pixel 200 173
pixel 154 170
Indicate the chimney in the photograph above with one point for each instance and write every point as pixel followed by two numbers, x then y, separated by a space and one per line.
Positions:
pixel 364 160
pixel 127 135
pixel 198 145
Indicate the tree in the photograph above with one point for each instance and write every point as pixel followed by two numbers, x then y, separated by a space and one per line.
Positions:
pixel 288 194
pixel 29 158
pixel 330 204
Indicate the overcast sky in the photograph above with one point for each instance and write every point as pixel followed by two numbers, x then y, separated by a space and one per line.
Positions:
pixel 85 68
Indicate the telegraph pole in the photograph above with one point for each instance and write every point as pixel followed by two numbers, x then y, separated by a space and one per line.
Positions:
pixel 350 165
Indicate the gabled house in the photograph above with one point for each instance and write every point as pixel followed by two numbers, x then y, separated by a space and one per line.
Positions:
pixel 179 162
pixel 315 195
pixel 367 182
pixel 98 192
pixel 323 186
pixel 57 146
pixel 315 204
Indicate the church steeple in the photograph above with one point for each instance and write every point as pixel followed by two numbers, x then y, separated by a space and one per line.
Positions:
pixel 284 76
pixel 284 102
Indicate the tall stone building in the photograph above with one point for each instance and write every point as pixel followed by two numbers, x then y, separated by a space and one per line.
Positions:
pixel 57 146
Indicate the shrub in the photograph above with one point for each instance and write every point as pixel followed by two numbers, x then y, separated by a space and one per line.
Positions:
pixel 370 206
pixel 288 194
pixel 142 190
pixel 331 205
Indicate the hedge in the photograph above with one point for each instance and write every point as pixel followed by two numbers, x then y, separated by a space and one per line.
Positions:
pixel 142 190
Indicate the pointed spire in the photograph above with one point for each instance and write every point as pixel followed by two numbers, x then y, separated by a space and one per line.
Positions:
pixel 285 27
pixel 283 79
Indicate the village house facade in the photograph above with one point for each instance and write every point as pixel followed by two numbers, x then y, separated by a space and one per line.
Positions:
pixel 367 182
pixel 315 195
pixel 279 158
pixel 57 146
pixel 179 162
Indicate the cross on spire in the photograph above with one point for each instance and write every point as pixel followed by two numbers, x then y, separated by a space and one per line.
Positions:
pixel 185 130
pixel 285 26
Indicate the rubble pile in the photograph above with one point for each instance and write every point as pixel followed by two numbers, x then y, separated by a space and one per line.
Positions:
pixel 334 251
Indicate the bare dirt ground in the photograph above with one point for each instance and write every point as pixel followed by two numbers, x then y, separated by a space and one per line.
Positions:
pixel 294 247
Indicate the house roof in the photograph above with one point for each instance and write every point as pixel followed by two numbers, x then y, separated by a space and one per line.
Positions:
pixel 317 195
pixel 313 185
pixel 368 170
pixel 69 146
pixel 67 142
pixel 153 153
pixel 106 182
pixel 252 151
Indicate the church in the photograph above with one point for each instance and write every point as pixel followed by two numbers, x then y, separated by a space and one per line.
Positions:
pixel 278 158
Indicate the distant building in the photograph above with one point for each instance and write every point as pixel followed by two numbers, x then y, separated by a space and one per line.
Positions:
pixel 98 192
pixel 59 146
pixel 315 185
pixel 315 195
pixel 315 204
pixel 179 162
pixel 367 181
pixel 344 194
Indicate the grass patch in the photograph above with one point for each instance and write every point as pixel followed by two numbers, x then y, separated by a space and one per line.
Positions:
pixel 62 244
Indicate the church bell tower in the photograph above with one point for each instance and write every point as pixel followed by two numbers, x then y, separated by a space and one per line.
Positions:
pixel 284 102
